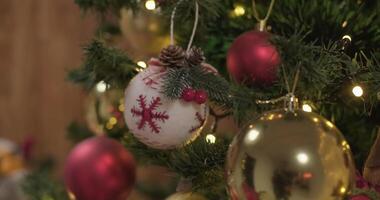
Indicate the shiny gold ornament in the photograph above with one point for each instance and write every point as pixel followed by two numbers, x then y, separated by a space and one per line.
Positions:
pixel 103 110
pixel 290 156
pixel 186 196
pixel 143 32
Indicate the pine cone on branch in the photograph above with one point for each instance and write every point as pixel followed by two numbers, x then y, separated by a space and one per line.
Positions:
pixel 195 56
pixel 172 56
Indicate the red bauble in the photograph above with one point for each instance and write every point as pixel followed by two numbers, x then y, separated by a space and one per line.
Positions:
pixel 188 94
pixel 100 169
pixel 201 97
pixel 252 59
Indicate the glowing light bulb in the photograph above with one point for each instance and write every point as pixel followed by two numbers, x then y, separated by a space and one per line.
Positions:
pixel 210 138
pixel 342 190
pixel 358 91
pixel 302 158
pixel 150 4
pixel 347 37
pixel 344 24
pixel 307 108
pixel 141 64
pixel 112 121
pixel 101 87
pixel 252 135
pixel 239 10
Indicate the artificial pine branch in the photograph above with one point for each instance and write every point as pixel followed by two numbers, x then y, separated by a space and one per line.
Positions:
pixel 103 64
pixel 39 184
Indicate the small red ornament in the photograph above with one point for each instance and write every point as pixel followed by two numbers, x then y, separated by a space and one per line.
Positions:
pixel 200 97
pixel 100 168
pixel 188 94
pixel 252 59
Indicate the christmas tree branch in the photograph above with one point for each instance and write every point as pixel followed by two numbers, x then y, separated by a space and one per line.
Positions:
pixel 200 161
pixel 103 64
pixel 39 184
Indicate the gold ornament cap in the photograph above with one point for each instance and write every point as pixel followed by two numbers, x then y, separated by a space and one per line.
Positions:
pixel 262 26
pixel 291 103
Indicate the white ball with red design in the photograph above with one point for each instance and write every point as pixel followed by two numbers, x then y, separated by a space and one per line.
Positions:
pixel 154 119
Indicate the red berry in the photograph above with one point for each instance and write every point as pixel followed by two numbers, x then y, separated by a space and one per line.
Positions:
pixel 188 94
pixel 201 97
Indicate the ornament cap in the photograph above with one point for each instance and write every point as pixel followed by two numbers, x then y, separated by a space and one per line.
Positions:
pixel 262 25
pixel 291 103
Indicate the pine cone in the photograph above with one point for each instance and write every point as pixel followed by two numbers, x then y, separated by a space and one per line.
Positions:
pixel 195 56
pixel 172 56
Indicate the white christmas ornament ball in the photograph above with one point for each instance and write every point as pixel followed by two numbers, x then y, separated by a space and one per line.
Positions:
pixel 154 119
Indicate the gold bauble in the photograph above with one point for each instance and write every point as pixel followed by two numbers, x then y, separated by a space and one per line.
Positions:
pixel 103 108
pixel 143 33
pixel 290 156
pixel 186 196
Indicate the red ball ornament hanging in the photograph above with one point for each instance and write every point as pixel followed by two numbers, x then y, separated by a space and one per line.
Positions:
pixel 252 59
pixel 100 168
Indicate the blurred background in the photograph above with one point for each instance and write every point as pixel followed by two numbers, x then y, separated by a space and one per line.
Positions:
pixel 39 42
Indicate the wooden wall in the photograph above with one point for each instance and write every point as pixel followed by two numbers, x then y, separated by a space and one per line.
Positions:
pixel 39 41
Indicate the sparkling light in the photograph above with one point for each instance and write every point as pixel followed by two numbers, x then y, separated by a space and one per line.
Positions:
pixel 347 37
pixel 101 87
pixel 330 124
pixel 307 108
pixel 150 4
pixel 345 145
pixel 142 64
pixel 239 10
pixel 252 135
pixel 342 190
pixel 302 158
pixel 344 24
pixel 358 91
pixel 210 138
pixel 113 121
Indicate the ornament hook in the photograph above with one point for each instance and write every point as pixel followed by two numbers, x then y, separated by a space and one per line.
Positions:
pixel 291 103
pixel 290 100
pixel 262 21
pixel 194 27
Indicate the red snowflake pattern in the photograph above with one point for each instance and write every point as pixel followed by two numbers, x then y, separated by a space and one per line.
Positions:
pixel 201 119
pixel 148 114
pixel 152 79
